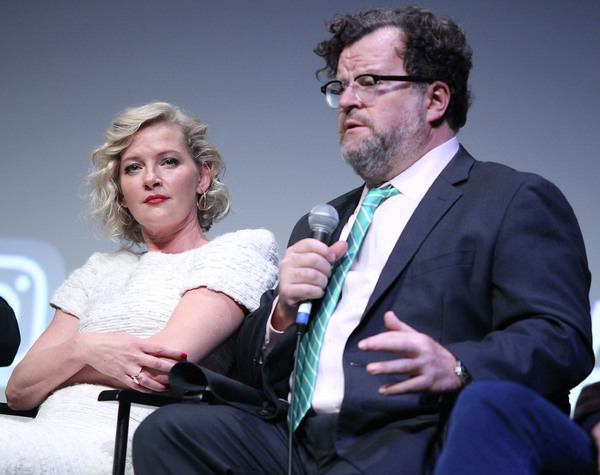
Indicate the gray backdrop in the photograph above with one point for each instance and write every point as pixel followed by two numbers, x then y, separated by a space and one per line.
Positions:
pixel 247 69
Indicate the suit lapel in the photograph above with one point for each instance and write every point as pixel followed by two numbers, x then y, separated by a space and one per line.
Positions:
pixel 345 206
pixel 439 198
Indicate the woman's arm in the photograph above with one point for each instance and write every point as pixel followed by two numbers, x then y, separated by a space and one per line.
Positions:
pixel 202 320
pixel 49 362
pixel 61 357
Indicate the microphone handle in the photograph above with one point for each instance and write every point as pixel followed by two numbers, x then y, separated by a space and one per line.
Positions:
pixel 305 307
pixel 320 235
pixel 303 314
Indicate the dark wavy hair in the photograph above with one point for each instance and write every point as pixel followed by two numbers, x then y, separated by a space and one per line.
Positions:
pixel 436 48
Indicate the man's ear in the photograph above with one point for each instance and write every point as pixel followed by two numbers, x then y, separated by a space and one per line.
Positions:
pixel 438 99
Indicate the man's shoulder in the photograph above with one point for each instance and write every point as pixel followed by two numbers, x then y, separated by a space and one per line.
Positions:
pixel 490 171
pixel 504 175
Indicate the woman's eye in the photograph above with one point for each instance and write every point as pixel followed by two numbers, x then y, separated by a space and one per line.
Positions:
pixel 132 168
pixel 170 161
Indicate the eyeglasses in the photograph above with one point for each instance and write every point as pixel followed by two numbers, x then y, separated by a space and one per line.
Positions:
pixel 365 87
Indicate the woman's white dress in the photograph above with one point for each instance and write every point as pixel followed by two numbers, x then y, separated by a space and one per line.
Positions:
pixel 73 433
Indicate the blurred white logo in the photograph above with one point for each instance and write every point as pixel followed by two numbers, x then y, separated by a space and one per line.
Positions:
pixel 30 271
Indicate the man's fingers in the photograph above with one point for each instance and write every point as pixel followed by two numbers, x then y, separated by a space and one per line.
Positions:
pixel 410 385
pixel 338 249
pixel 405 366
pixel 392 322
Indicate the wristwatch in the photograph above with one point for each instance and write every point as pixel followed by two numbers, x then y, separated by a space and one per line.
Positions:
pixel 461 371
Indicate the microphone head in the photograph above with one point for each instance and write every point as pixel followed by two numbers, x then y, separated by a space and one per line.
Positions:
pixel 323 219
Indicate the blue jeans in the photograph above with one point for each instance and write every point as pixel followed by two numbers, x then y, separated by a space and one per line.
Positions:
pixel 505 428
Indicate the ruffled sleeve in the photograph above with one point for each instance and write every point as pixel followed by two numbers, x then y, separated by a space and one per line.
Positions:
pixel 242 265
pixel 73 295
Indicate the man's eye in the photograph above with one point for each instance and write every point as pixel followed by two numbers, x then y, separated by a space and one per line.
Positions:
pixel 336 88
pixel 366 82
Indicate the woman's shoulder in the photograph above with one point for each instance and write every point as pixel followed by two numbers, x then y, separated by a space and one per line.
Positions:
pixel 73 294
pixel 247 237
pixel 252 244
pixel 104 260
pixel 241 264
pixel 256 247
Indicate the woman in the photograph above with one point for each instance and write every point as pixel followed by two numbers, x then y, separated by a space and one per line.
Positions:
pixel 124 319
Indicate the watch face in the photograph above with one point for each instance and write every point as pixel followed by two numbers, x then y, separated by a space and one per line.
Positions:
pixel 461 371
pixel 458 370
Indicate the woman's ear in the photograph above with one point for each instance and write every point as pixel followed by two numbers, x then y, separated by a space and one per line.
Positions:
pixel 204 178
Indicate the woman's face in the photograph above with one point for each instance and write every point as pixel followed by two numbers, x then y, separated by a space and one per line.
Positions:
pixel 160 181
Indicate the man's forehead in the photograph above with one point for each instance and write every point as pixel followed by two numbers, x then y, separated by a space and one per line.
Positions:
pixel 376 52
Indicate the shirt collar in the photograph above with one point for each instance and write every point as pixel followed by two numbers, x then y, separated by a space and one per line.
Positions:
pixel 416 180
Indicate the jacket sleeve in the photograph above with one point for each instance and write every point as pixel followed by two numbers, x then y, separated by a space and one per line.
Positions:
pixel 540 316
pixel 251 336
pixel 10 338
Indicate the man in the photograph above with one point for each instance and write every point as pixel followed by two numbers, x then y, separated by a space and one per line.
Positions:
pixel 10 338
pixel 471 271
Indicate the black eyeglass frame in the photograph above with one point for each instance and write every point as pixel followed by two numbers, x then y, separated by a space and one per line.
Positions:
pixel 376 79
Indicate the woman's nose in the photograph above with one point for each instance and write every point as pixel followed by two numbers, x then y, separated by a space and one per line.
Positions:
pixel 152 179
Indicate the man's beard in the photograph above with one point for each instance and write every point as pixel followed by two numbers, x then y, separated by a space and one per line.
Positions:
pixel 372 158
pixel 384 155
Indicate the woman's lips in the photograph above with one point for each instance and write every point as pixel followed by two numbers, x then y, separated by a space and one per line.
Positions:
pixel 155 199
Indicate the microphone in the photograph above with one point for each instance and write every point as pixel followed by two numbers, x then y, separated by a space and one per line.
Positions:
pixel 322 220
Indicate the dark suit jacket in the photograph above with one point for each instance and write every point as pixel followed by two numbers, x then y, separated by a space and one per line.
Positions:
pixel 492 265
pixel 10 338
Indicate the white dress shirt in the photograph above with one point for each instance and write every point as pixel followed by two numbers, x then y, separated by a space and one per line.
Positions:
pixel 389 221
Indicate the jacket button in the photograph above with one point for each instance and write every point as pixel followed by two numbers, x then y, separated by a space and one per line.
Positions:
pixel 257 361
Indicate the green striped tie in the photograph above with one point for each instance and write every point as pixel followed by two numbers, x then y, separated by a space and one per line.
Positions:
pixel 310 346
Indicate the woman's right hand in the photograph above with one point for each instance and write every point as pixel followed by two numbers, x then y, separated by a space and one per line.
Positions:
pixel 122 356
pixel 61 357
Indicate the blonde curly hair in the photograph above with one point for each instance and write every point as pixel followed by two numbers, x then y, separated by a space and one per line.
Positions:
pixel 116 222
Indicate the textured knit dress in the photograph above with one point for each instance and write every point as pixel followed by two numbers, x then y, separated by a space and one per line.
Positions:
pixel 73 433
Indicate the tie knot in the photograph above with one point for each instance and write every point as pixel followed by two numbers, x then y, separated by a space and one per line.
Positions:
pixel 376 195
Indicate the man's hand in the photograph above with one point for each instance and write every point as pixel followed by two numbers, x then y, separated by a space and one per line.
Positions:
pixel 428 365
pixel 303 275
